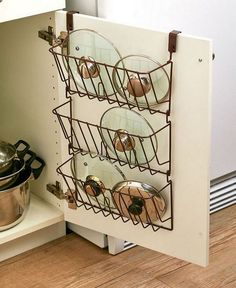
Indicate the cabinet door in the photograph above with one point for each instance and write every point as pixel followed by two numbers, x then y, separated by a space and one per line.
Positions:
pixel 190 139
pixel 13 9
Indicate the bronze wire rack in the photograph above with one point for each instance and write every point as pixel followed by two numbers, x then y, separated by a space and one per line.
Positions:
pixel 68 123
pixel 83 90
pixel 103 205
pixel 85 136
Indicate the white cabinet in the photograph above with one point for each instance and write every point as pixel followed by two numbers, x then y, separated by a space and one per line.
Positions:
pixel 14 9
pixel 30 89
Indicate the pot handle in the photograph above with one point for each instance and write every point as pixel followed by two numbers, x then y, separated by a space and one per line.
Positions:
pixel 35 163
pixel 30 159
pixel 39 163
pixel 21 153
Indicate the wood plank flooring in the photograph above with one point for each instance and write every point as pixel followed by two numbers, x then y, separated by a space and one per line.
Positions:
pixel 72 262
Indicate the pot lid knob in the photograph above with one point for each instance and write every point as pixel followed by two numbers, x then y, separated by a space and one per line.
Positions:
pixel 88 69
pixel 93 186
pixel 138 85
pixel 136 207
pixel 123 141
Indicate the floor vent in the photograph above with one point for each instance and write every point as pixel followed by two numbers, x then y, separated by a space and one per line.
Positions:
pixel 223 192
pixel 128 245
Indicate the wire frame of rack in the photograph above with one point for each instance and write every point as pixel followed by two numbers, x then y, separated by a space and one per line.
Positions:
pixel 85 136
pixel 106 205
pixel 92 89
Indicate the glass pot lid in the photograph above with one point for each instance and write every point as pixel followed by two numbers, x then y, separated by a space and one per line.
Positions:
pixel 97 173
pixel 90 50
pixel 142 83
pixel 129 135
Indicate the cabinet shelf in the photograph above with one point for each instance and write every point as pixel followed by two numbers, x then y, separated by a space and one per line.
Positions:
pixel 40 215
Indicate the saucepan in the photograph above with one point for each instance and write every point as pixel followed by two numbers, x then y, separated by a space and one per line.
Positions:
pixel 14 201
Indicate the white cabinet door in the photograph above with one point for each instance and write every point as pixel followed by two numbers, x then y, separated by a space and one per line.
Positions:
pixel 190 117
pixel 191 19
pixel 14 9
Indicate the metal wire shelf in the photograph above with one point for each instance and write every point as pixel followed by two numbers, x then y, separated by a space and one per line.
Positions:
pixel 76 83
pixel 151 213
pixel 145 155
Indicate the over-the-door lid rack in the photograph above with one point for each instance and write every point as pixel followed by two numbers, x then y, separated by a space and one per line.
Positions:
pixel 87 138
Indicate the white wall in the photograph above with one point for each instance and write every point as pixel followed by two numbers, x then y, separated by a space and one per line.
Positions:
pixel 214 19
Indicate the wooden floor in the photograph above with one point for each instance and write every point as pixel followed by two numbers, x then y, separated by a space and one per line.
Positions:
pixel 71 262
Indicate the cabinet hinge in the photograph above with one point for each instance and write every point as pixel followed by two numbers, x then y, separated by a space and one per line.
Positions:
pixel 50 37
pixel 56 190
pixel 70 198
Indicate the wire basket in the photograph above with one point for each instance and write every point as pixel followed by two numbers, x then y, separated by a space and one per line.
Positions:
pixel 115 83
pixel 150 152
pixel 151 210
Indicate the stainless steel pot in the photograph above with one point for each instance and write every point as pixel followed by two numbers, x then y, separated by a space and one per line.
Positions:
pixel 9 179
pixel 9 152
pixel 14 201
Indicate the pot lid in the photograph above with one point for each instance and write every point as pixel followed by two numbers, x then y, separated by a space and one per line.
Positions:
pixel 139 201
pixel 7 152
pixel 124 124
pixel 89 47
pixel 93 169
pixel 144 83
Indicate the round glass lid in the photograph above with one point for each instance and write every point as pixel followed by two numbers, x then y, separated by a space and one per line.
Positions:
pixel 87 51
pixel 142 83
pixel 128 135
pixel 98 175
